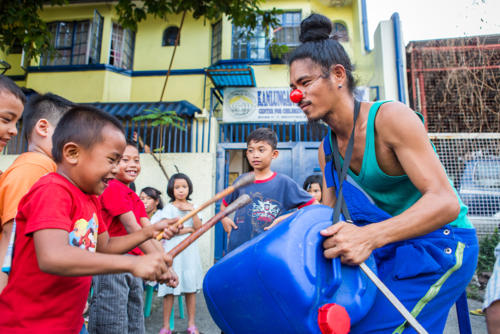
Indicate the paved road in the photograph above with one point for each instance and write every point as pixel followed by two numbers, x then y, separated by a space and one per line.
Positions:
pixel 207 326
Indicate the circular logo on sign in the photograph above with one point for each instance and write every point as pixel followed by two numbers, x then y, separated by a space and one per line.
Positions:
pixel 241 103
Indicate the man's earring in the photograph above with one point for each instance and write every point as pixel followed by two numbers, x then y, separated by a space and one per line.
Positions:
pixel 340 86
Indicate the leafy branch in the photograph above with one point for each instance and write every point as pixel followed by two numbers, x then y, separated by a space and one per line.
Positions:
pixel 162 119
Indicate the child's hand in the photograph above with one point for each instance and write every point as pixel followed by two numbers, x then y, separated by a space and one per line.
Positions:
pixel 173 279
pixel 228 224
pixel 170 230
pixel 152 267
pixel 153 230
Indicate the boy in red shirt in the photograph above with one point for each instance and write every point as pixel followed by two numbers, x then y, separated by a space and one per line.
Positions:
pixel 117 302
pixel 60 236
pixel 40 117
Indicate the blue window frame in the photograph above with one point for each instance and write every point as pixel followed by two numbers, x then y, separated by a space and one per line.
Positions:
pixel 121 53
pixel 71 41
pixel 75 42
pixel 250 44
pixel 289 30
pixel 216 42
pixel 169 36
pixel 255 46
pixel 341 30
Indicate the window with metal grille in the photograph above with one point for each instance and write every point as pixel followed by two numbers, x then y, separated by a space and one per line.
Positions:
pixel 71 41
pixel 170 35
pixel 122 47
pixel 289 30
pixel 216 42
pixel 250 44
pixel 341 30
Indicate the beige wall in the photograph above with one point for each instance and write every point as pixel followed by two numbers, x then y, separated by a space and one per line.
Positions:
pixel 200 167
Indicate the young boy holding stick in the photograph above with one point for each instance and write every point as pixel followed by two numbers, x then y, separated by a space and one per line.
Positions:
pixel 60 239
pixel 272 194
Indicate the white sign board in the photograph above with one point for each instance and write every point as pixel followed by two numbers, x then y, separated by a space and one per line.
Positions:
pixel 260 105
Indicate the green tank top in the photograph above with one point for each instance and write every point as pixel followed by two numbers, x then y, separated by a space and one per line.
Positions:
pixel 394 194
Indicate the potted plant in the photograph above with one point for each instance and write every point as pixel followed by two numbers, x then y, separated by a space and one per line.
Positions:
pixel 278 51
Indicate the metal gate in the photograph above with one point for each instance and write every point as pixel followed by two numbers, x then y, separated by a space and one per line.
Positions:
pixel 297 160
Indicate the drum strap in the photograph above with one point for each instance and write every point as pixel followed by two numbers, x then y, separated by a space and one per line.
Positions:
pixel 341 168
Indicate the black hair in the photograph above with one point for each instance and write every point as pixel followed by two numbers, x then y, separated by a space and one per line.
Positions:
pixel 82 125
pixel 315 178
pixel 322 48
pixel 263 134
pixel 154 194
pixel 9 86
pixel 48 106
pixel 171 184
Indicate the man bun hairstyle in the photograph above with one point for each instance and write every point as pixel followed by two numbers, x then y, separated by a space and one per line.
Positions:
pixel 323 48
pixel 82 125
pixel 263 134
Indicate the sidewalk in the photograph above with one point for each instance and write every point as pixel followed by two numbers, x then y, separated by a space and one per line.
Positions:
pixel 207 326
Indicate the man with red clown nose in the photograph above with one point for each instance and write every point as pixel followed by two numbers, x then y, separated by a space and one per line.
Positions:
pixel 426 252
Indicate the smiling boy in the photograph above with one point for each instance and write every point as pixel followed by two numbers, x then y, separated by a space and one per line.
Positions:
pixel 40 117
pixel 49 280
pixel 12 101
pixel 272 194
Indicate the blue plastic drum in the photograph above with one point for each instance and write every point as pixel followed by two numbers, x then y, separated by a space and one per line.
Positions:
pixel 276 282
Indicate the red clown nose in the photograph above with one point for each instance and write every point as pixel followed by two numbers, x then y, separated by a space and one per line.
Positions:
pixel 296 96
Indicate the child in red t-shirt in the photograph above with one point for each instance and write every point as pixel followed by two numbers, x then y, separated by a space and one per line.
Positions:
pixel 61 236
pixel 123 212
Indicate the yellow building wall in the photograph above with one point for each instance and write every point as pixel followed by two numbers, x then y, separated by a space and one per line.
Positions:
pixel 85 86
pixel 14 60
pixel 193 52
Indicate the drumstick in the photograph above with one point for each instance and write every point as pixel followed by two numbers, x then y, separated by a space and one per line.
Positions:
pixel 235 205
pixel 245 180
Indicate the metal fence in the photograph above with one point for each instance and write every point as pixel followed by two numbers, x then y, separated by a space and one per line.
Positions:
pixel 286 132
pixel 472 161
pixel 193 136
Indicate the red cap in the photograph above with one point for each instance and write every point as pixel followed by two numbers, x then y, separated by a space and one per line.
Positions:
pixel 296 96
pixel 333 319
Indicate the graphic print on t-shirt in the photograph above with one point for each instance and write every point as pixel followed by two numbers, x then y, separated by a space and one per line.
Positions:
pixel 84 234
pixel 264 211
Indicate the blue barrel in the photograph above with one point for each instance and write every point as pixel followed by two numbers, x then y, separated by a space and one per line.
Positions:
pixel 276 282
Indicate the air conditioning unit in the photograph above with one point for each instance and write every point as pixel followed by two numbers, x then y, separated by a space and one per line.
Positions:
pixel 336 3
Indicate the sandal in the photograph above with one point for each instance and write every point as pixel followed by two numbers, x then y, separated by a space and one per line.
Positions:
pixel 477 312
pixel 193 330
pixel 165 331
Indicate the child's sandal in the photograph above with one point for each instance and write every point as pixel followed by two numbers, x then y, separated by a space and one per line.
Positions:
pixel 165 331
pixel 193 330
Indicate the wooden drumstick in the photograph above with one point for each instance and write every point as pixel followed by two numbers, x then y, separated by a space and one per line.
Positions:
pixel 235 205
pixel 245 180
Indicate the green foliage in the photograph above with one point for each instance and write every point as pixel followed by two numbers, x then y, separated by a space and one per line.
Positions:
pixel 241 12
pixel 162 118
pixel 486 259
pixel 278 50
pixel 21 25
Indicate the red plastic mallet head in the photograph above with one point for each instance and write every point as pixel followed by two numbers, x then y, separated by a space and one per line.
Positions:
pixel 296 96
pixel 333 319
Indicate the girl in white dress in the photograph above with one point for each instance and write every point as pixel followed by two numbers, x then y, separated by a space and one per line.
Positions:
pixel 187 264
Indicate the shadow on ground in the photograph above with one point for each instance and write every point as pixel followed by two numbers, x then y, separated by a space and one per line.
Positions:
pixel 207 326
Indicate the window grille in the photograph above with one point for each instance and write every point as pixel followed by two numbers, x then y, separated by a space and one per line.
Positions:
pixel 216 42
pixel 170 35
pixel 122 47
